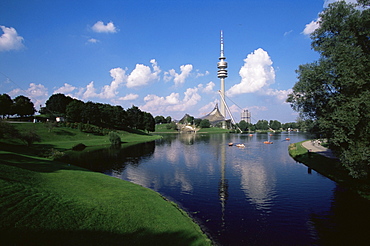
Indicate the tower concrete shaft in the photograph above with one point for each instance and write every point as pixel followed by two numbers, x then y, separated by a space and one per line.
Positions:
pixel 222 74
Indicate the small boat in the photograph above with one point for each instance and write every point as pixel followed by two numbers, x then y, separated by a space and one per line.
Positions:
pixel 251 135
pixel 271 135
pixel 231 144
pixel 287 139
pixel 268 142
pixel 240 145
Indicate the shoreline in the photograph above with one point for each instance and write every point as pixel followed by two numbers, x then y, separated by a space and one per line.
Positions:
pixel 323 161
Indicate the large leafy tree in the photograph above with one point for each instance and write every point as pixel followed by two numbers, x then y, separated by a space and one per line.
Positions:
pixel 74 111
pixel 135 118
pixel 23 106
pixel 57 104
pixel 334 92
pixel 149 122
pixel 5 105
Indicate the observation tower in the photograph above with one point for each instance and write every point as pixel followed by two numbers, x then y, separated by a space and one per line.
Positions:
pixel 222 74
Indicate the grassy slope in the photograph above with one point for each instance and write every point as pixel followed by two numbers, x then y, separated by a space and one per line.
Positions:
pixel 47 202
pixel 329 168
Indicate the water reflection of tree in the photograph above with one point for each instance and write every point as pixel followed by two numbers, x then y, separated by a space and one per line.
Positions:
pixel 347 221
pixel 110 158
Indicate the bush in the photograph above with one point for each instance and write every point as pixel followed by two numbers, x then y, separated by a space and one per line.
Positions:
pixel 29 137
pixel 114 138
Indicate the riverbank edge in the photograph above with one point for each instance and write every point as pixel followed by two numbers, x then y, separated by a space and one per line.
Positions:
pixel 328 167
pixel 182 213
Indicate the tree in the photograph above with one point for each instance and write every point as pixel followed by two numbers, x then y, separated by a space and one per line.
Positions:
pixel 275 125
pixel 205 124
pixel 262 125
pixel 197 121
pixel 334 92
pixel 23 106
pixel 135 118
pixel 168 119
pixel 149 122
pixel 29 137
pixel 114 139
pixel 159 119
pixel 74 111
pixel 57 104
pixel 91 113
pixel 243 125
pixel 5 105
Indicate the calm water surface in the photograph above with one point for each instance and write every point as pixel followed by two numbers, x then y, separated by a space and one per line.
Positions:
pixel 257 195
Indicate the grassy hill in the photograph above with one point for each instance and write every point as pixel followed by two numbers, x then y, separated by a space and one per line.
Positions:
pixel 45 202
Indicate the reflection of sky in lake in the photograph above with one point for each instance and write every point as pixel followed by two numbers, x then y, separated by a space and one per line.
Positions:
pixel 254 195
pixel 256 182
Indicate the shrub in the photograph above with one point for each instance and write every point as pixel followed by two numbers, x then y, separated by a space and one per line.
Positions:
pixel 114 138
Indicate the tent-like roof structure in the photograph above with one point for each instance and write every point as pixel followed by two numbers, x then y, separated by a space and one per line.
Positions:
pixel 214 116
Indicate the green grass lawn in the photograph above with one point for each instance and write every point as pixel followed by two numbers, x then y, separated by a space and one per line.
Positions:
pixel 45 202
pixel 330 168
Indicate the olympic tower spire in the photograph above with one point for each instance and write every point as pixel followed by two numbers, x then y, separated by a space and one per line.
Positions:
pixel 222 74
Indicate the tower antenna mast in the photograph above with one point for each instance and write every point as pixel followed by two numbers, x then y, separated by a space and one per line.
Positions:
pixel 222 74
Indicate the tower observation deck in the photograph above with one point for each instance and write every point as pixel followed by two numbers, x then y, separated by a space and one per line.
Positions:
pixel 222 74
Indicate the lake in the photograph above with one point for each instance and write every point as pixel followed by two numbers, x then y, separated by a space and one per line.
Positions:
pixel 256 195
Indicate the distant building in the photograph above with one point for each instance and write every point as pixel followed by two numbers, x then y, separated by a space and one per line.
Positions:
pixel 246 116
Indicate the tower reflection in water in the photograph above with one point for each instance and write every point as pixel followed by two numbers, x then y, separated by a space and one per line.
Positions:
pixel 223 186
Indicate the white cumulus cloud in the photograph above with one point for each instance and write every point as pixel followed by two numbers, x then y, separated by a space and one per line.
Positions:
pixel 208 88
pixel 119 77
pixel 180 78
pixel 172 103
pixel 10 40
pixel 100 27
pixel 38 93
pixel 90 91
pixel 129 97
pixel 65 89
pixel 256 73
pixel 142 75
pixel 311 27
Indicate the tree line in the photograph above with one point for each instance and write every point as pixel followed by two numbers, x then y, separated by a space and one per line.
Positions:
pixel 21 106
pixel 77 111
pixel 333 93
pixel 98 114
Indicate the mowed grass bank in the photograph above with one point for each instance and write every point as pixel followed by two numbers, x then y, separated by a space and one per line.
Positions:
pixel 45 202
pixel 63 138
pixel 330 168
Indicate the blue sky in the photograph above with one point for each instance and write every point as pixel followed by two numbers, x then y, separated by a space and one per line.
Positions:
pixel 159 55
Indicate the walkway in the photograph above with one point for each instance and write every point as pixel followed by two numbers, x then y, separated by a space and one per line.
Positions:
pixel 314 146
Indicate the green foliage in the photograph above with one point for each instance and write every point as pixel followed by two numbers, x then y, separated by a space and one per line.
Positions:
pixel 159 119
pixel 29 137
pixel 5 105
pixel 57 104
pixel 197 121
pixel 23 106
pixel 275 125
pixel 205 123
pixel 334 92
pixel 7 130
pixel 74 111
pixel 114 138
pixel 262 125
